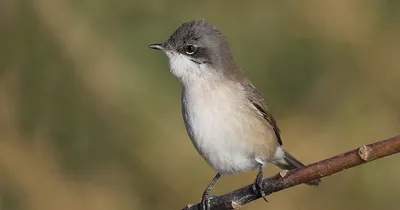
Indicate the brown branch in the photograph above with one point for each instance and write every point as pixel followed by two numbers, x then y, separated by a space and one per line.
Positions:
pixel 286 179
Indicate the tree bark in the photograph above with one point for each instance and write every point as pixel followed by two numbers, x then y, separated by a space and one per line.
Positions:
pixel 286 179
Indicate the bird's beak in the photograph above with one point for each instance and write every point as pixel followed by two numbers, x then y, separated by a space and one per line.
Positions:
pixel 157 46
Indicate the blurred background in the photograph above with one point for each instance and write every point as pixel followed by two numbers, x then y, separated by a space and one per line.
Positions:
pixel 90 118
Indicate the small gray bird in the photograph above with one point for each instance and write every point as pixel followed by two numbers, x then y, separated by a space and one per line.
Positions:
pixel 225 115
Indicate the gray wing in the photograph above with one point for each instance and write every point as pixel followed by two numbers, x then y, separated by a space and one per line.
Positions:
pixel 258 103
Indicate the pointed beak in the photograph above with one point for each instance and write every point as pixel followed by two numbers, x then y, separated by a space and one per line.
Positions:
pixel 157 46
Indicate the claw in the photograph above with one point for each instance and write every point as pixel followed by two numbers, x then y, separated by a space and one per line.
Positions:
pixel 258 185
pixel 205 202
pixel 257 188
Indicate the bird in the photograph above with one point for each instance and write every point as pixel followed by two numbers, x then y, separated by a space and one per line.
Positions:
pixel 225 116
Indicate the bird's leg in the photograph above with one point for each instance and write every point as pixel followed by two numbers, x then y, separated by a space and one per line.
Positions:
pixel 205 201
pixel 258 183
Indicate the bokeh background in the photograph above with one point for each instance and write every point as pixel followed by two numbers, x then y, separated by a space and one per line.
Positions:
pixel 90 117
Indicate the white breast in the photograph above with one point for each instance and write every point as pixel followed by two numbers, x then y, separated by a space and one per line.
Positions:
pixel 214 121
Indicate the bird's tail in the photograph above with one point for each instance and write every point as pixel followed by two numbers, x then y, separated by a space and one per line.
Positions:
pixel 288 162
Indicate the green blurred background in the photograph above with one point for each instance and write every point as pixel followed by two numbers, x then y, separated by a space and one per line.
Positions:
pixel 90 117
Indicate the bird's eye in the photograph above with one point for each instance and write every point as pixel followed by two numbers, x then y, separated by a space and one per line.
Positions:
pixel 190 49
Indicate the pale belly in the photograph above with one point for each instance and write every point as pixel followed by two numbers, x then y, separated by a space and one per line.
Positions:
pixel 223 132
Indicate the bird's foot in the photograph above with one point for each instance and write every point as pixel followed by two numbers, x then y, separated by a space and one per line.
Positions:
pixel 258 186
pixel 205 201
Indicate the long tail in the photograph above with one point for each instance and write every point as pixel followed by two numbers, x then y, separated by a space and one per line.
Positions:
pixel 287 162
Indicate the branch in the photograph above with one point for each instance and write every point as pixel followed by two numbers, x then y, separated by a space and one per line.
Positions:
pixel 286 179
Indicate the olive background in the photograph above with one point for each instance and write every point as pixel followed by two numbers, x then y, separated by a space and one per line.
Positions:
pixel 90 117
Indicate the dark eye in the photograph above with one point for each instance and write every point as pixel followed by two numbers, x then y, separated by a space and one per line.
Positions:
pixel 190 49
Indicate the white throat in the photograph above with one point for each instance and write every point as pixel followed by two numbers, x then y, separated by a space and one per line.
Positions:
pixel 189 71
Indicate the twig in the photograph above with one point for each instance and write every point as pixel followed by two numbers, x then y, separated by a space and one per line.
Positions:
pixel 286 179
